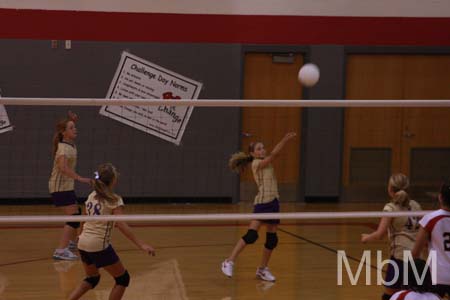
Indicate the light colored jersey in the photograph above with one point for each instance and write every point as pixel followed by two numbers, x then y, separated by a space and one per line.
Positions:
pixel 410 295
pixel 403 230
pixel 59 182
pixel 96 235
pixel 437 224
pixel 266 181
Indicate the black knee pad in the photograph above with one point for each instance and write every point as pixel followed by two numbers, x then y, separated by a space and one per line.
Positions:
pixel 271 240
pixel 385 297
pixel 75 225
pixel 123 280
pixel 93 280
pixel 251 236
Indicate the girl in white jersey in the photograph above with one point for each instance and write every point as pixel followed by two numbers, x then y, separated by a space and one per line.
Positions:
pixel 435 230
pixel 401 231
pixel 266 201
pixel 62 181
pixel 94 242
pixel 417 290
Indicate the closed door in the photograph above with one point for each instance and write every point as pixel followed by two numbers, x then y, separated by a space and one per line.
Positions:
pixel 426 131
pixel 372 135
pixel 264 78
pixel 381 141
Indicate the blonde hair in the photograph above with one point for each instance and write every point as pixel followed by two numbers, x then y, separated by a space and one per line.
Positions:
pixel 398 184
pixel 239 160
pixel 106 175
pixel 58 136
pixel 61 126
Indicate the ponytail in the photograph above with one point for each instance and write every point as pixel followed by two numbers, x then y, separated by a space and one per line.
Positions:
pixel 104 178
pixel 57 138
pixel 398 184
pixel 239 161
pixel 401 198
pixel 104 192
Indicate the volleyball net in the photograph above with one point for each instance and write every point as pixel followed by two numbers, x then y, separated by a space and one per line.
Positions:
pixel 178 149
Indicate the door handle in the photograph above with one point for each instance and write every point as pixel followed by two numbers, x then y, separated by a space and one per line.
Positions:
pixel 408 134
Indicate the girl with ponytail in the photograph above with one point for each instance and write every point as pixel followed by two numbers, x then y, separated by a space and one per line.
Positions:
pixel 94 243
pixel 62 183
pixel 401 231
pixel 266 201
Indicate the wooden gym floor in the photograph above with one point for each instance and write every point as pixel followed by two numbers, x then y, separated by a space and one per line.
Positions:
pixel 189 255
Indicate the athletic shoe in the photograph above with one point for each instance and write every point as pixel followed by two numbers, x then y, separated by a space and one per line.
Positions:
pixel 227 268
pixel 73 246
pixel 64 254
pixel 264 274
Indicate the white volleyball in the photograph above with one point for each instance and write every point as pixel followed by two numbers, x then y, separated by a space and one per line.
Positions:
pixel 309 74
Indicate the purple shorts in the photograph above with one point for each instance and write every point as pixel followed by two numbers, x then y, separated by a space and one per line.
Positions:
pixel 64 198
pixel 390 273
pixel 270 207
pixel 105 257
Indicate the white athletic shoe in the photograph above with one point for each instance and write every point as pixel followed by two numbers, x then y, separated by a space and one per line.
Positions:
pixel 64 254
pixel 73 246
pixel 227 268
pixel 264 274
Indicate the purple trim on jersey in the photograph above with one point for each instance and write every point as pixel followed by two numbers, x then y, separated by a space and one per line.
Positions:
pixel 64 198
pixel 103 258
pixel 67 143
pixel 270 207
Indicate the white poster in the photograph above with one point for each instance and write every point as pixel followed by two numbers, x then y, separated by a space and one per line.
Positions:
pixel 5 125
pixel 137 78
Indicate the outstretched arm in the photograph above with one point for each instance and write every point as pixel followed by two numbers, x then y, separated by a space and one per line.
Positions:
pixel 64 168
pixel 128 233
pixel 276 150
pixel 379 233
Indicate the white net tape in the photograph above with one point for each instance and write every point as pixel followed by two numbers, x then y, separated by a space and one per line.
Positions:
pixel 210 217
pixel 225 102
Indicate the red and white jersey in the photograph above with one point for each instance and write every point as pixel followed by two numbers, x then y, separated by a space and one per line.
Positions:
pixel 410 295
pixel 437 224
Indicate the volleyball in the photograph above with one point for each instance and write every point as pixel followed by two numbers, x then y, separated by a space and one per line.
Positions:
pixel 309 75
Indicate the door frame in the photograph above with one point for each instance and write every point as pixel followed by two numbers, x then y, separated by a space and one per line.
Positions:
pixel 282 49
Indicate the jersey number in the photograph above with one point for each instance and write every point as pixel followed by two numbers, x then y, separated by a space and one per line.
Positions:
pixel 413 223
pixel 447 241
pixel 93 209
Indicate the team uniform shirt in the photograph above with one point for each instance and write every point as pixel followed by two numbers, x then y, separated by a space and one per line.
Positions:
pixel 410 295
pixel 402 230
pixel 266 181
pixel 96 235
pixel 59 182
pixel 437 224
